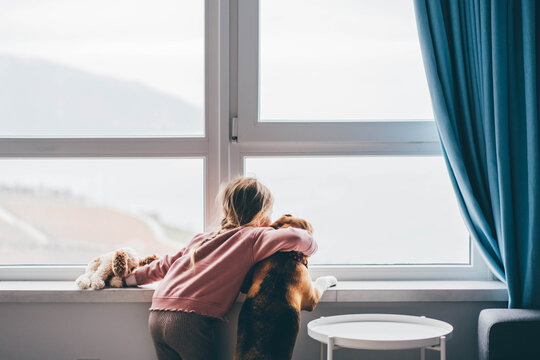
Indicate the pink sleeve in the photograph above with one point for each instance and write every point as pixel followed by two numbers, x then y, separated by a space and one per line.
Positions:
pixel 156 270
pixel 270 241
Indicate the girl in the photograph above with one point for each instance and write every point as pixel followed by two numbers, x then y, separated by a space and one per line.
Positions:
pixel 201 282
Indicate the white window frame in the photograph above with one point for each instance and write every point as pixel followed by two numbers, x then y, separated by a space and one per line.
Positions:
pixel 212 147
pixel 231 98
pixel 319 138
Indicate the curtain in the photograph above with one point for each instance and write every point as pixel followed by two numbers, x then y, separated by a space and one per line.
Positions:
pixel 481 61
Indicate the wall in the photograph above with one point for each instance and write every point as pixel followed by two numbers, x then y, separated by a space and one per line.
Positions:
pixel 116 331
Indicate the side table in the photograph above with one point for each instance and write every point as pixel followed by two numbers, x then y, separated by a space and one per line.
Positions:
pixel 380 332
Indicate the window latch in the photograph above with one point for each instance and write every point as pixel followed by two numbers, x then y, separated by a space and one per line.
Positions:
pixel 234 129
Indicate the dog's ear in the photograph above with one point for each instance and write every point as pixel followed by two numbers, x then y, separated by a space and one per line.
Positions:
pixel 147 260
pixel 282 221
pixel 120 266
pixel 306 225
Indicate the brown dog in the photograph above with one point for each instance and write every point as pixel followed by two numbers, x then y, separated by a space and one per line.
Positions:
pixel 281 287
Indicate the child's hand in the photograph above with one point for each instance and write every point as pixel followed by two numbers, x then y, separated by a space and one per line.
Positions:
pixel 131 280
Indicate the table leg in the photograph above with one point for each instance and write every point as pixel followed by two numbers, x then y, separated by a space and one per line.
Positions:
pixel 330 348
pixel 322 351
pixel 443 347
pixel 422 353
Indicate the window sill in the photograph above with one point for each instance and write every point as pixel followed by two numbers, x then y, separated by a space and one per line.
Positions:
pixel 345 291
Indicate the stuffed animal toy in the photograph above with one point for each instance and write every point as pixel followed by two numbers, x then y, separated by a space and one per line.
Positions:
pixel 111 269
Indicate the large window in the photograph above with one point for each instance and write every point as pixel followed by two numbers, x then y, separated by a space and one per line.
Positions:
pixel 334 115
pixel 117 128
pixel 104 138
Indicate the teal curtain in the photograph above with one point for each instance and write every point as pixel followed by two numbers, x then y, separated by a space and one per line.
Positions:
pixel 482 65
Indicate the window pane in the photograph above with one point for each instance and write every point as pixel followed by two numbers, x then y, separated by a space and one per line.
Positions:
pixel 341 60
pixel 101 68
pixel 370 210
pixel 68 211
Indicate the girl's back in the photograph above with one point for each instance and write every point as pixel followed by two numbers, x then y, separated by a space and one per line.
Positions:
pixel 201 282
pixel 211 286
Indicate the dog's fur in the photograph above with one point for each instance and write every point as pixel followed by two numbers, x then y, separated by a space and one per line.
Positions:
pixel 281 287
pixel 111 269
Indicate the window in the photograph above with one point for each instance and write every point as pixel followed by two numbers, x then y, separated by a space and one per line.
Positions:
pixel 326 60
pixel 96 68
pixel 138 114
pixel 374 210
pixel 67 211
pixel 334 115
pixel 105 140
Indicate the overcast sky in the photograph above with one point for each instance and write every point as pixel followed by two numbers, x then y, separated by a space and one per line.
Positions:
pixel 341 59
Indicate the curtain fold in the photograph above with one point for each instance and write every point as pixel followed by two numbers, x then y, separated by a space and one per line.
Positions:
pixel 481 61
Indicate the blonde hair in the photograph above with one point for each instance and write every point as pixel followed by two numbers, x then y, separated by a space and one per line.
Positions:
pixel 245 201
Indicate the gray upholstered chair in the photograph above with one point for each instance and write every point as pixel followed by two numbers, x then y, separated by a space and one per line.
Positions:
pixel 508 334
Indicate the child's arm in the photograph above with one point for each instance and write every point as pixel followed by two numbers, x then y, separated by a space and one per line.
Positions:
pixel 154 271
pixel 270 241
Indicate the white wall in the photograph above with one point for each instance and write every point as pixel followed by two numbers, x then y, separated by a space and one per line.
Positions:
pixel 116 331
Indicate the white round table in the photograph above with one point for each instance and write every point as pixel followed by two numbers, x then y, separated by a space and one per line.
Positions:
pixel 380 332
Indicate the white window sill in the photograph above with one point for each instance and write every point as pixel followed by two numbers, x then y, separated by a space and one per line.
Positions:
pixel 345 291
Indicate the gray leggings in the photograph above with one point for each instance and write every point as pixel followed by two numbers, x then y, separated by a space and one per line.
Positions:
pixel 182 335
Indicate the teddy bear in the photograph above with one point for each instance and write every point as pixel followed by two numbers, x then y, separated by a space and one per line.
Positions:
pixel 111 269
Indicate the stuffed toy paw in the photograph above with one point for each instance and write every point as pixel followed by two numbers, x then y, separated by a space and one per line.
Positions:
pixel 111 269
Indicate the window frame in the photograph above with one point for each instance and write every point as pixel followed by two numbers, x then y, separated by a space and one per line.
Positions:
pixel 477 269
pixel 250 129
pixel 210 147
pixel 231 111
pixel 318 138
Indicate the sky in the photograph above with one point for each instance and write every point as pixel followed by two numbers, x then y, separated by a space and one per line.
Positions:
pixel 341 60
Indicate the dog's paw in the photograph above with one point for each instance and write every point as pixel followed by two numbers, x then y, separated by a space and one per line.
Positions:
pixel 325 282
pixel 116 282
pixel 332 280
pixel 97 284
pixel 83 282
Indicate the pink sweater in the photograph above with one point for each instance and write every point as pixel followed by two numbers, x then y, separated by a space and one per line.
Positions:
pixel 211 287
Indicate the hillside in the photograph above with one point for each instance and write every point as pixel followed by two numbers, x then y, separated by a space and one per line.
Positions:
pixel 46 99
pixel 56 228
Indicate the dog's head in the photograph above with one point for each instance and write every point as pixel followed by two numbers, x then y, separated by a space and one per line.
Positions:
pixel 288 220
pixel 124 262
